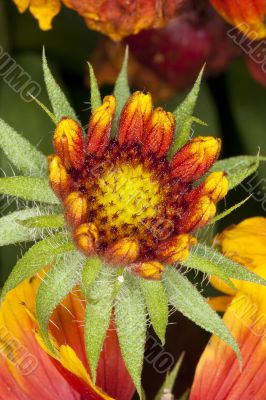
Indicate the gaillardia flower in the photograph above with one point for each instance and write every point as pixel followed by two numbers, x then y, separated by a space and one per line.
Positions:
pixel 123 199
pixel 118 225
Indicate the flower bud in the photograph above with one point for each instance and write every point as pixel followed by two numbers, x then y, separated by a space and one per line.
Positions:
pixel 76 208
pixel 59 179
pixel 100 126
pixel 194 159
pixel 160 131
pixel 215 186
pixel 123 252
pixel 197 215
pixel 134 118
pixel 86 238
pixel 68 143
pixel 149 270
pixel 176 249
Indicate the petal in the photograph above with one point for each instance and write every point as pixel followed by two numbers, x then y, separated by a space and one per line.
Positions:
pixel 176 249
pixel 218 375
pixel 45 11
pixel 247 15
pixel 68 143
pixel 149 270
pixel 22 5
pixel 197 215
pixel 60 181
pixel 194 159
pixel 76 207
pixel 123 252
pixel 236 242
pixel 86 238
pixel 220 303
pixel 26 370
pixel 134 118
pixel 160 131
pixel 100 127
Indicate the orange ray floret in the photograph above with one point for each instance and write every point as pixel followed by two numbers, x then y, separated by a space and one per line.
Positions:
pixel 247 15
pixel 43 11
pixel 128 203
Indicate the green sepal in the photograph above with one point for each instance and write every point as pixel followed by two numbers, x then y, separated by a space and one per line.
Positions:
pixel 60 104
pixel 98 314
pixel 130 316
pixel 232 269
pixel 56 285
pixel 157 305
pixel 37 257
pixel 183 114
pixel 228 211
pixel 238 168
pixel 12 230
pixel 186 299
pixel 90 271
pixel 121 91
pixel 28 188
pixel 96 100
pixel 22 154
pixel 170 379
pixel 52 221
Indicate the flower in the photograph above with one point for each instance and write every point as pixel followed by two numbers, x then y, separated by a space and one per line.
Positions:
pixel 217 374
pixel 43 11
pixel 30 372
pixel 247 15
pixel 123 199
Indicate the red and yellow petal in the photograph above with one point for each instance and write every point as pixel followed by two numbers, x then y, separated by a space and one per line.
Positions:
pixel 247 15
pixel 197 215
pixel 134 118
pixel 160 131
pixel 149 270
pixel 43 11
pixel 76 208
pixel 194 159
pixel 175 249
pixel 68 143
pixel 59 178
pixel 86 238
pixel 218 374
pixel 100 126
pixel 123 252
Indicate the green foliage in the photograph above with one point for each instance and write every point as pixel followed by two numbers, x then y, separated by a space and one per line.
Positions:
pixel 98 313
pixel 157 305
pixel 184 117
pixel 130 315
pixel 11 229
pixel 228 211
pixel 37 257
pixel 57 284
pixel 204 254
pixel 60 104
pixel 186 299
pixel 96 100
pixel 90 271
pixel 53 221
pixel 22 154
pixel 29 188
pixel 170 380
pixel 121 91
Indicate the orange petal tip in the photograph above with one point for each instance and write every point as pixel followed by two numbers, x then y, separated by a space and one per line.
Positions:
pixel 176 249
pixel 149 270
pixel 76 207
pixel 123 252
pixel 215 186
pixel 68 143
pixel 59 179
pixel 86 238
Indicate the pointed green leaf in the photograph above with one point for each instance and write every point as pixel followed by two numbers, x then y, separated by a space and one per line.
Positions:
pixel 157 305
pixel 11 231
pixel 183 114
pixel 228 211
pixel 130 313
pixel 60 104
pixel 238 168
pixel 186 299
pixel 23 155
pixel 98 314
pixel 121 90
pixel 230 267
pixel 37 257
pixel 57 284
pixel 96 100
pixel 90 271
pixel 45 109
pixel 170 380
pixel 28 188
pixel 53 221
